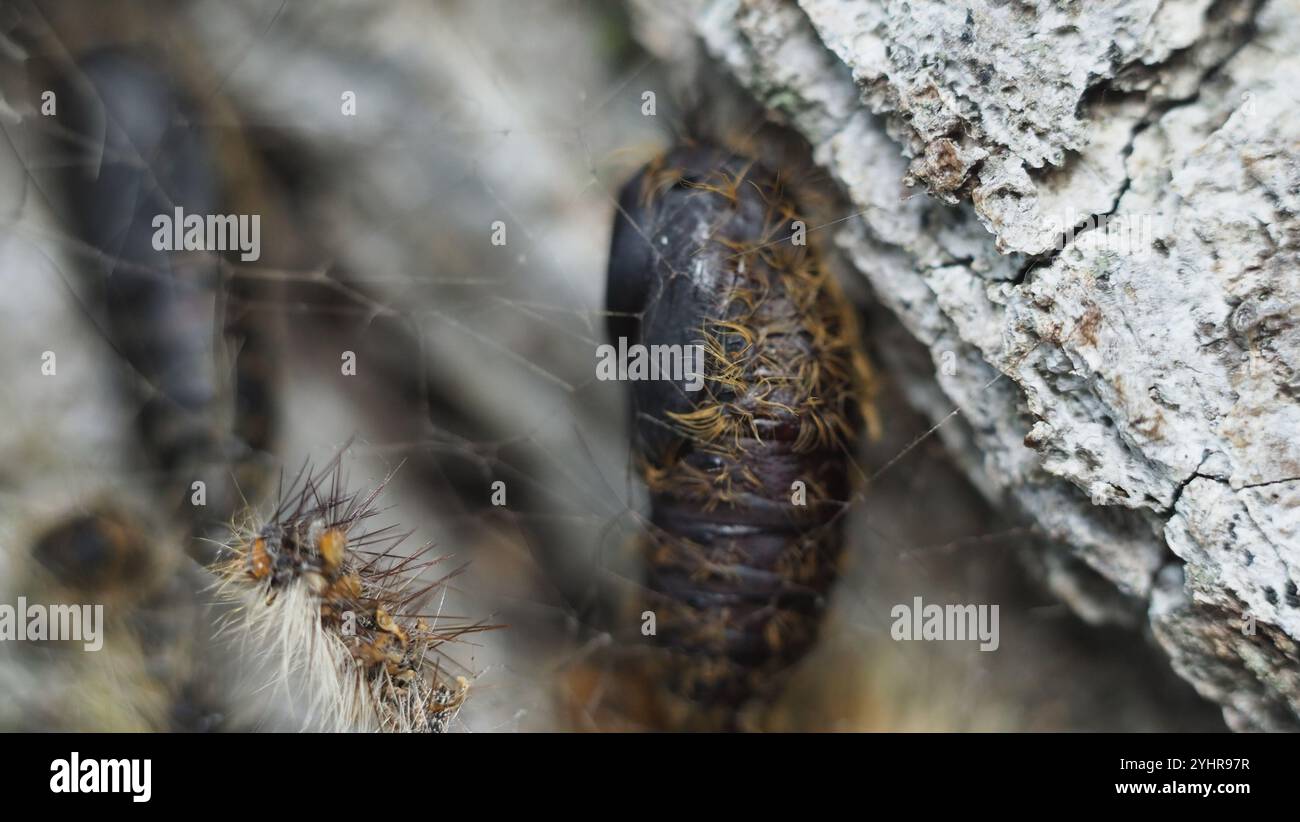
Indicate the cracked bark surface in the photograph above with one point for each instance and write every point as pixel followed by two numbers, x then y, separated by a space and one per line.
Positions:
pixel 1088 214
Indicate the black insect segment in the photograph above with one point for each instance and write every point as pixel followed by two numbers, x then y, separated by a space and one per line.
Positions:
pixel 142 150
pixel 748 476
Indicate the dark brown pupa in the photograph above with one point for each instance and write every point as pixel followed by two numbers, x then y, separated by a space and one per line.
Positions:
pixel 748 476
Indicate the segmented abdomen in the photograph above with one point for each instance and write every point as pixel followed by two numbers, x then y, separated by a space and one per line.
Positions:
pixel 748 474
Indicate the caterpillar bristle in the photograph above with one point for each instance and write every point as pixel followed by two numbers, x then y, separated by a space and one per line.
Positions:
pixel 338 611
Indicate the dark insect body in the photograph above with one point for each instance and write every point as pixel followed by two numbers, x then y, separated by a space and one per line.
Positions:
pixel 143 150
pixel 96 552
pixel 131 139
pixel 749 476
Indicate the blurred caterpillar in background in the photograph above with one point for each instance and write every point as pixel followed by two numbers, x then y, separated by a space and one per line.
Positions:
pixel 167 336
pixel 105 508
pixel 748 477
pixel 144 148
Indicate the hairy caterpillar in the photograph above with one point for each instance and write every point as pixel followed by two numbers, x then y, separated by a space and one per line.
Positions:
pixel 337 607
pixel 747 477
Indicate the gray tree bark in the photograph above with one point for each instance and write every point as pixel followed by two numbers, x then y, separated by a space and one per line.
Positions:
pixel 1087 212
